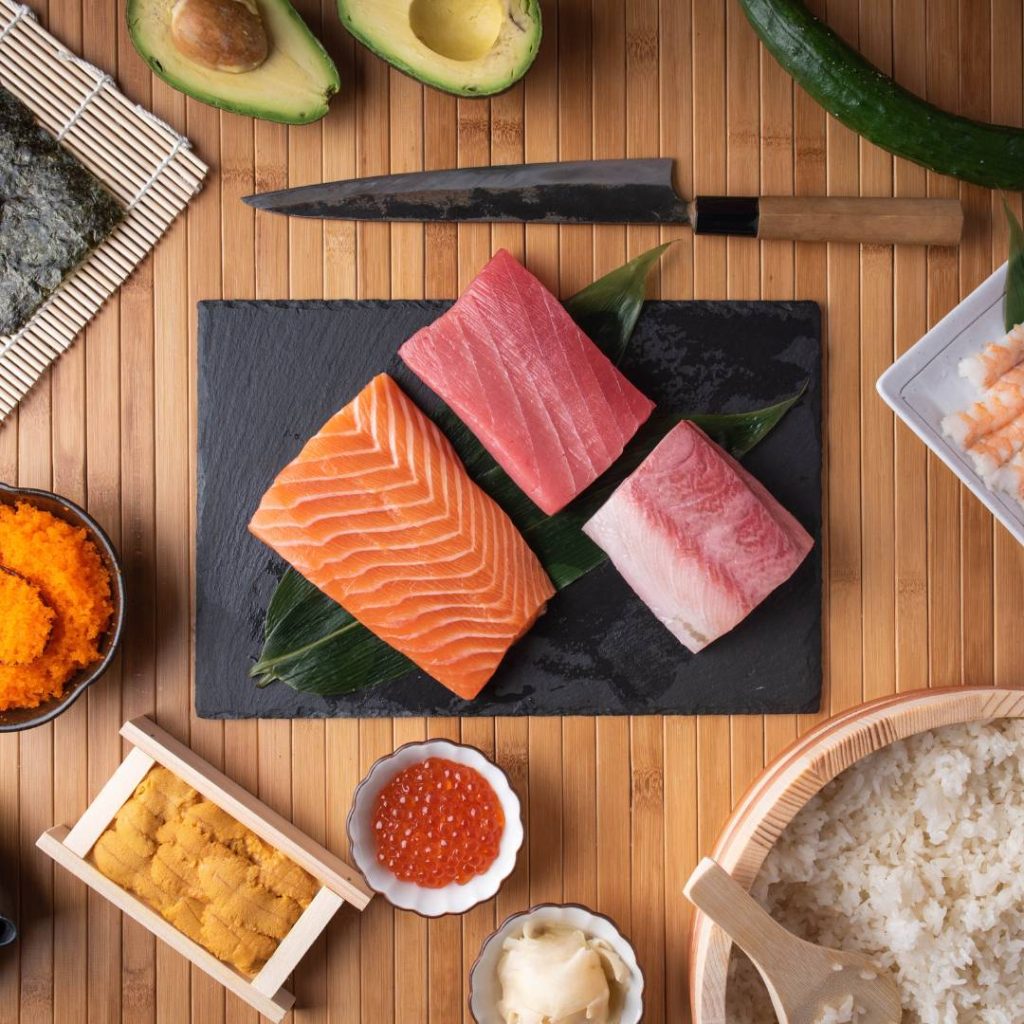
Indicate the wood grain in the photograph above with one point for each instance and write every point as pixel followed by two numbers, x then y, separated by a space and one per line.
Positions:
pixel 921 588
pixel 872 220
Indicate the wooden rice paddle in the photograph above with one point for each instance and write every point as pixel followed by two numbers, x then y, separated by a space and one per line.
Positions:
pixel 803 979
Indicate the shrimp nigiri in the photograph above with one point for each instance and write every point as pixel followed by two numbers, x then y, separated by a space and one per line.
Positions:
pixel 1001 404
pixel 987 366
pixel 993 450
pixel 1010 479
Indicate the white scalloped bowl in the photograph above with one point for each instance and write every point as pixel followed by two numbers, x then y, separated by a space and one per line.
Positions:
pixel 454 898
pixel 485 989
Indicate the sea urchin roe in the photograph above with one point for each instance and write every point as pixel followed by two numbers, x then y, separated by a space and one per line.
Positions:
pixel 203 871
pixel 26 622
pixel 438 822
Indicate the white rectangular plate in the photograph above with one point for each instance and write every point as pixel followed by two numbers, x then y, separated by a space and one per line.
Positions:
pixel 923 385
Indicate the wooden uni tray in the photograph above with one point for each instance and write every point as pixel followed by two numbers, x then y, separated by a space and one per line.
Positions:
pixel 339 883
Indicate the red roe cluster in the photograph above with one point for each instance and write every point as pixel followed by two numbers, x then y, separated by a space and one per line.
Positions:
pixel 438 822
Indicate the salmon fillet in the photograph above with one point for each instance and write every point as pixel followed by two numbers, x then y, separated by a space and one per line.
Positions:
pixel 380 514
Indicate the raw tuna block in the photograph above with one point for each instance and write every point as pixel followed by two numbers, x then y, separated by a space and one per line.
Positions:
pixel 697 537
pixel 539 394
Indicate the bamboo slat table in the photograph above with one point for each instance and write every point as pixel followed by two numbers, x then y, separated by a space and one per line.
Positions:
pixel 921 588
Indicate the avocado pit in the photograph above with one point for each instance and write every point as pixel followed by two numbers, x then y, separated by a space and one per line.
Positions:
pixel 222 35
pixel 462 30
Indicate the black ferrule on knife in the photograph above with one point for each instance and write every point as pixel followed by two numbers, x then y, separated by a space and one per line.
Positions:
pixel 725 215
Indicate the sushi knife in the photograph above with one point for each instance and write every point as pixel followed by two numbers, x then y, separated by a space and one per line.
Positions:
pixel 616 192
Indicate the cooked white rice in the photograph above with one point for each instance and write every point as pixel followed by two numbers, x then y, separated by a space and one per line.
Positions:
pixel 842 1012
pixel 914 856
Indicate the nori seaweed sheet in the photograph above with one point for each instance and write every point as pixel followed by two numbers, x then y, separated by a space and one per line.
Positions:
pixel 52 212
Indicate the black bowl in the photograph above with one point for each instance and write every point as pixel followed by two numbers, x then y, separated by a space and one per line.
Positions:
pixel 8 929
pixel 27 718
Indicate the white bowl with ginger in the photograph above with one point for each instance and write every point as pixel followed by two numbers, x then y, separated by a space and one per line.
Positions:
pixel 560 963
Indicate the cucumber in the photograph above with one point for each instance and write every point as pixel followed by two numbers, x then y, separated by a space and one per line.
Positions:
pixel 864 99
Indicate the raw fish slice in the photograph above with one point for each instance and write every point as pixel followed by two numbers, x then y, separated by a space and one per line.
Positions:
pixel 379 513
pixel 1001 404
pixel 699 539
pixel 1010 478
pixel 993 450
pixel 539 394
pixel 987 366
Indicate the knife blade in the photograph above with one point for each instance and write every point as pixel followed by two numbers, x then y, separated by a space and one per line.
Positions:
pixel 635 191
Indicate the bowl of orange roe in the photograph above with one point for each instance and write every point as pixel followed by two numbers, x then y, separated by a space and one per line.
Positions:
pixel 62 594
pixel 435 827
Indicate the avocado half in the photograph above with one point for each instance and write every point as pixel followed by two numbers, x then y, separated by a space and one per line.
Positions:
pixel 465 47
pixel 292 85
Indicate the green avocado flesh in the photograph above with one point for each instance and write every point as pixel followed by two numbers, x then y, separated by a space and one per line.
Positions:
pixel 293 85
pixel 466 47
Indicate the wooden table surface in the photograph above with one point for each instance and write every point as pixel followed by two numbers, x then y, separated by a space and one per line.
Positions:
pixel 921 588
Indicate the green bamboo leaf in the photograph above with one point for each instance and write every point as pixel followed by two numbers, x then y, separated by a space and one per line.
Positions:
pixel 291 592
pixel 740 432
pixel 318 647
pixel 306 632
pixel 1013 310
pixel 608 309
pixel 315 646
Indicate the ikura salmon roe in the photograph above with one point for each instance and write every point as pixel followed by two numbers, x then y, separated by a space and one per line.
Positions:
pixel 438 822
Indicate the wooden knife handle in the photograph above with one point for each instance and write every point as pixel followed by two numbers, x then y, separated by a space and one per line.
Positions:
pixel 861 219
pixel 880 221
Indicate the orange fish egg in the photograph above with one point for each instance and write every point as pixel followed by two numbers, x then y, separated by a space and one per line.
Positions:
pixel 438 822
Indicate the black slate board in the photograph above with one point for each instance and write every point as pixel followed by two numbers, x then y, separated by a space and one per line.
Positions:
pixel 271 373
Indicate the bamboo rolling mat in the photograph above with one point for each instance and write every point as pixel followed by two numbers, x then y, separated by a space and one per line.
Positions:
pixel 148 166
